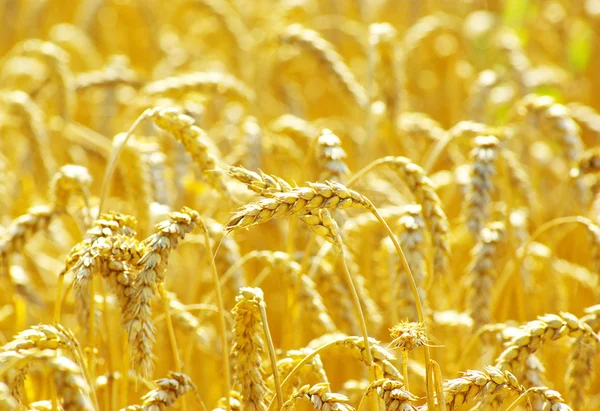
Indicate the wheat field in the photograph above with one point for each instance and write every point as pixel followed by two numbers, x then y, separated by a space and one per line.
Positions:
pixel 264 205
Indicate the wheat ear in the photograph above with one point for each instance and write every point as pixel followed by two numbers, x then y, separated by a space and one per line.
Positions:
pixel 320 397
pixel 168 390
pixel 547 328
pixel 152 273
pixel 34 121
pixel 422 188
pixel 393 393
pixel 317 196
pixel 313 43
pixel 66 375
pixel 57 61
pixel 248 347
pixel 482 273
pixel 214 83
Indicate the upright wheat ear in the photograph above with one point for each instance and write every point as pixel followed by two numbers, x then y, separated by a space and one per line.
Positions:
pixel 481 186
pixel 482 273
pixel 248 347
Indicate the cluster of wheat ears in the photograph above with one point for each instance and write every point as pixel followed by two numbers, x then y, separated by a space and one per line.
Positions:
pixel 299 204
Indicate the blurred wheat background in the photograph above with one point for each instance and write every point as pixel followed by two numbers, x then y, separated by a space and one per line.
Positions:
pixel 299 204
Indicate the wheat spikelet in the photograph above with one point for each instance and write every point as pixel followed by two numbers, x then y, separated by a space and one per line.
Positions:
pixel 261 183
pixel 331 157
pixel 320 397
pixel 248 348
pixel 194 139
pixel 213 83
pixel 152 272
pixel 477 384
pixel 168 391
pixel 481 186
pixel 547 328
pixel 34 123
pixel 57 61
pixel 393 394
pixel 321 223
pixel 482 271
pixel 312 42
pixel 300 201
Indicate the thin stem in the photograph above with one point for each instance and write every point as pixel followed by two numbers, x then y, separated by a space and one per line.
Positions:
pixel 413 286
pixel 263 315
pixel 171 331
pixel 361 318
pixel 439 391
pixel 53 397
pixel 222 325
pixel 360 174
pixel 112 162
pixel 358 307
pixel 405 369
pixel 92 336
pixel 124 393
pixel 519 399
pixel 57 305
pixel 302 363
